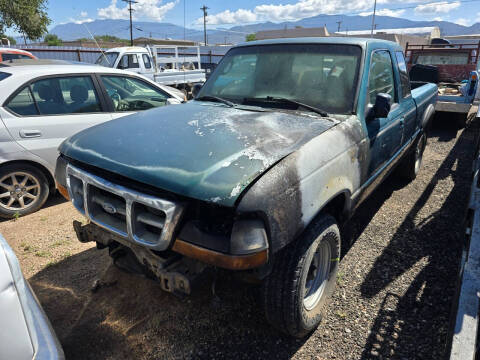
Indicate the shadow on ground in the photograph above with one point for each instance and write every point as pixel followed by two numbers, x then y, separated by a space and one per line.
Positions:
pixel 133 318
pixel 416 322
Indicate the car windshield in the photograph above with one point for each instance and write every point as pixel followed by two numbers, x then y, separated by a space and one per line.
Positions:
pixel 107 59
pixel 450 58
pixel 323 76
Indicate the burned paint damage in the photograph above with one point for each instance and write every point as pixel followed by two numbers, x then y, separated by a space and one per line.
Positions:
pixel 200 150
pixel 293 192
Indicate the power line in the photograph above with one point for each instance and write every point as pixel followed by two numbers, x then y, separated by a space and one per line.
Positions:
pixel 130 10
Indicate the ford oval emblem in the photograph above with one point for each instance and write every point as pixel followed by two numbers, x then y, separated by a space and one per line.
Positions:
pixel 109 208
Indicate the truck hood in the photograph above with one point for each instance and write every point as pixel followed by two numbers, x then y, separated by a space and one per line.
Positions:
pixel 206 151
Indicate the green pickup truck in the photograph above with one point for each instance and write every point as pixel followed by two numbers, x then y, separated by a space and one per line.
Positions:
pixel 279 147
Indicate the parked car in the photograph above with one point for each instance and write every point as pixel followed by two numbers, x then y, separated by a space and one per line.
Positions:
pixel 12 54
pixel 26 330
pixel 42 104
pixel 257 172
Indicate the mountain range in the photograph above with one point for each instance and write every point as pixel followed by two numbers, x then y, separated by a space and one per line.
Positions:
pixel 120 28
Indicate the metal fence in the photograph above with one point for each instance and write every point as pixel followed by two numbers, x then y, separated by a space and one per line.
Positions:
pixel 210 55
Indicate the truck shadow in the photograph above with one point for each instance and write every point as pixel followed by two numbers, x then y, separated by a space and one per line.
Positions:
pixel 129 316
pixel 416 322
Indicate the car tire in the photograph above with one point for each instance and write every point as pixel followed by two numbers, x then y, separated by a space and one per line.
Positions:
pixel 411 165
pixel 297 292
pixel 23 190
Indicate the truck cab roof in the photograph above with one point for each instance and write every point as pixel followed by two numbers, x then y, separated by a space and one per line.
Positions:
pixel 362 42
pixel 136 49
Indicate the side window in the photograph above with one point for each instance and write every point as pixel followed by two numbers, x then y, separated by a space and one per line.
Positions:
pixel 146 61
pixel 129 61
pixel 402 69
pixel 381 76
pixel 22 103
pixel 66 95
pixel 132 94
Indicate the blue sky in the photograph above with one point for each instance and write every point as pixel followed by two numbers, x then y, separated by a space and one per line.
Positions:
pixel 224 13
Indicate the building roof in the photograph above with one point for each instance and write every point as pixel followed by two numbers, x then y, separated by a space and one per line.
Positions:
pixel 292 33
pixel 414 30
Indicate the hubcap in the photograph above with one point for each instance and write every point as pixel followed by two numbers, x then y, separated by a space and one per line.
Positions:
pixel 419 154
pixel 18 191
pixel 317 276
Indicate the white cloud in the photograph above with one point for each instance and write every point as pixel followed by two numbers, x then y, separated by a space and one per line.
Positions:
pixel 151 9
pixel 83 18
pixel 438 18
pixel 384 12
pixel 436 8
pixel 296 11
pixel 463 21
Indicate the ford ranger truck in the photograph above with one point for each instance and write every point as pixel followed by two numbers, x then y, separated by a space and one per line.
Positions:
pixel 255 175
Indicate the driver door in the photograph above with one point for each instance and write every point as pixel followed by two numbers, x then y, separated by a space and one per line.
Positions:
pixel 128 94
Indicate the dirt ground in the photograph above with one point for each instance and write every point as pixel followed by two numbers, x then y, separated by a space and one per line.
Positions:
pixel 394 293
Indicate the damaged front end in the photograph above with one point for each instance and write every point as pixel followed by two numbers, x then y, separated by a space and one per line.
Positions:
pixel 174 238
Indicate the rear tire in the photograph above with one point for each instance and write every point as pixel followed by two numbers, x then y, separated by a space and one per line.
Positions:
pixel 297 292
pixel 411 165
pixel 23 190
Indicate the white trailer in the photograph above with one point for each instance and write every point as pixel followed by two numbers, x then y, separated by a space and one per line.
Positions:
pixel 178 66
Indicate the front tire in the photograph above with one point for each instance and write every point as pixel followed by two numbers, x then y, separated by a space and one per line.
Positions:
pixel 23 190
pixel 297 292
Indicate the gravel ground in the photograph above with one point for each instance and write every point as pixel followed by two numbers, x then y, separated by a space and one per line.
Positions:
pixel 393 299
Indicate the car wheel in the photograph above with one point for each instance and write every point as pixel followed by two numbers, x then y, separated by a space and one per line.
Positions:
pixel 411 165
pixel 298 290
pixel 23 190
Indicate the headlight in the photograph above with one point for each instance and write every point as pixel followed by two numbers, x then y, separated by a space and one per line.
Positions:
pixel 248 236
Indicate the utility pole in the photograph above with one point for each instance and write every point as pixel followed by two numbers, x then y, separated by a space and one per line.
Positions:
pixel 373 18
pixel 130 10
pixel 204 9
pixel 339 22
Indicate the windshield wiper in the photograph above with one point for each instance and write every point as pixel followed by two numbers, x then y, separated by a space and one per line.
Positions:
pixel 287 101
pixel 216 99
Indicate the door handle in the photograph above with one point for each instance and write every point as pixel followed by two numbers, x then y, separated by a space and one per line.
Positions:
pixel 402 122
pixel 30 133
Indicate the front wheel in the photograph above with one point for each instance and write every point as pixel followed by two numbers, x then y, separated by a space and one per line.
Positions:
pixel 23 190
pixel 297 291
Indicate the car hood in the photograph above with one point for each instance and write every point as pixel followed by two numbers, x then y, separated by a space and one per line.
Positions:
pixel 206 151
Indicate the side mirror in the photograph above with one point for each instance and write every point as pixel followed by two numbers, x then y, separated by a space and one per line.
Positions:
pixel 196 89
pixel 383 103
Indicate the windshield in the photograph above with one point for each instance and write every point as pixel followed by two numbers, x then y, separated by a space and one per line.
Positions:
pixel 454 58
pixel 320 75
pixel 107 59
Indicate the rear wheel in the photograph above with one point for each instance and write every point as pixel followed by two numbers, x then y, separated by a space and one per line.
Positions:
pixel 411 165
pixel 297 291
pixel 23 190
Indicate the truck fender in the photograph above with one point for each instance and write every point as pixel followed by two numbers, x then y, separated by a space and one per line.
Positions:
pixel 427 116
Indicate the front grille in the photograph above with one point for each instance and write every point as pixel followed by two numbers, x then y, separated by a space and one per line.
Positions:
pixel 142 218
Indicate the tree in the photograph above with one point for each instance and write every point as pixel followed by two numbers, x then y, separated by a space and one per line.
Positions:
pixel 52 40
pixel 28 17
pixel 251 37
